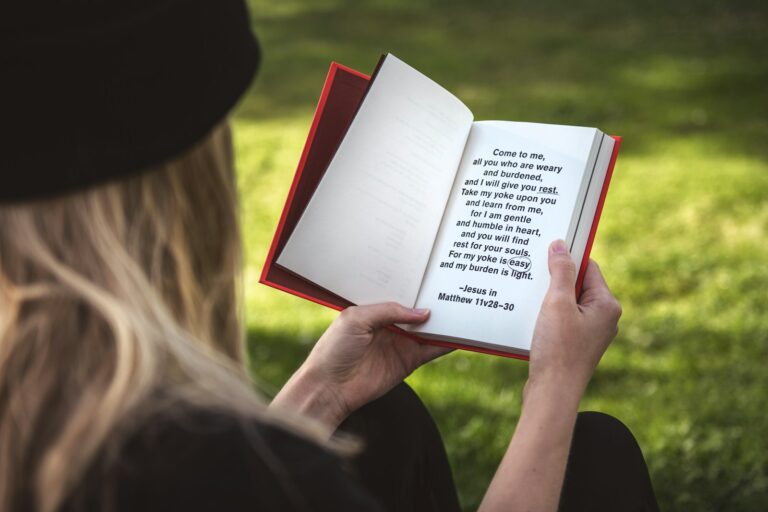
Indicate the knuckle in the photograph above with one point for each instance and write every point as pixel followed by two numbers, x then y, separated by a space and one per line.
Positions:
pixel 558 300
pixel 348 314
pixel 614 307
pixel 567 263
pixel 391 309
pixel 609 305
pixel 392 306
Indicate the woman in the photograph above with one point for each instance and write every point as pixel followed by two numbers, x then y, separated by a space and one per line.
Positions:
pixel 122 383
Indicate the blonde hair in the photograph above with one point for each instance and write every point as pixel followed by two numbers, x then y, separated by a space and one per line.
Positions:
pixel 107 296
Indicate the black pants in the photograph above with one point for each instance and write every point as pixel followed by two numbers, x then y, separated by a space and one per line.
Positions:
pixel 404 462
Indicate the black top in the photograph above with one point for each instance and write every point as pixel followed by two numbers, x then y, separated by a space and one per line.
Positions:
pixel 211 462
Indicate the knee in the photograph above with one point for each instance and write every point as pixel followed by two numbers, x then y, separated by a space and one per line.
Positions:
pixel 396 430
pixel 597 432
pixel 599 422
pixel 399 414
pixel 606 469
pixel 400 402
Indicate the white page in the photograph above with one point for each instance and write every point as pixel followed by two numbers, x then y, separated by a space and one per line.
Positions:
pixel 586 216
pixel 517 296
pixel 368 230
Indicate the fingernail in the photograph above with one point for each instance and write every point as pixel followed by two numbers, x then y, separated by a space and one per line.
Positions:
pixel 420 311
pixel 559 247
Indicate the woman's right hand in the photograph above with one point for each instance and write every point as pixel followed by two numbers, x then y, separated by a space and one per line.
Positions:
pixel 570 337
pixel 568 342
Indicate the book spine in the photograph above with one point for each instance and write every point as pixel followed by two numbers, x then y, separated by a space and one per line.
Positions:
pixel 598 213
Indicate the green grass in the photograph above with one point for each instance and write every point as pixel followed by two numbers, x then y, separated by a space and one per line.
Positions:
pixel 683 236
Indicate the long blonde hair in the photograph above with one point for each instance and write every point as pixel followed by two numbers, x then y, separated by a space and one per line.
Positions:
pixel 106 296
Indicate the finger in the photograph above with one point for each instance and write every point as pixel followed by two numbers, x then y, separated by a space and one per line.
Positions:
pixel 562 270
pixel 594 279
pixel 430 352
pixel 597 296
pixel 388 313
pixel 594 285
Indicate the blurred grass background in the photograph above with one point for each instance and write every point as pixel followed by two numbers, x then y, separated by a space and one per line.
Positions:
pixel 683 236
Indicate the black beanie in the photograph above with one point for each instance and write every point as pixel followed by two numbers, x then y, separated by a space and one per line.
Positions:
pixel 92 90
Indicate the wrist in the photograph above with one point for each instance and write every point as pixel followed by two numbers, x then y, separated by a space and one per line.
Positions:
pixel 309 393
pixel 556 388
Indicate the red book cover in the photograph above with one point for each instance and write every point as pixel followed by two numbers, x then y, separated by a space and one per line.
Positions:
pixel 342 93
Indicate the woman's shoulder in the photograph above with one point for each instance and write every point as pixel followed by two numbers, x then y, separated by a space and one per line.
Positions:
pixel 212 460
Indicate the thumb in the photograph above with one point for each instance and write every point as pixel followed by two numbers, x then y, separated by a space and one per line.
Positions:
pixel 382 315
pixel 562 269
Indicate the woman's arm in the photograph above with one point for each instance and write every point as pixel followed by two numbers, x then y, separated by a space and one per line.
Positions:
pixel 357 360
pixel 569 340
pixel 530 476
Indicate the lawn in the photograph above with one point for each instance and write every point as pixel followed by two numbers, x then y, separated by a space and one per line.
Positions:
pixel 683 236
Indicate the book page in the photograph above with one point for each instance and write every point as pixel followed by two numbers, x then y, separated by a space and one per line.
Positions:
pixel 516 190
pixel 586 216
pixel 367 233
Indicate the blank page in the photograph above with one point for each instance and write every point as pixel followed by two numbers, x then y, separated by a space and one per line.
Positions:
pixel 367 233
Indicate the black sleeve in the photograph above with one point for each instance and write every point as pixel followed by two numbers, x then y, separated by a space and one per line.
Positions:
pixel 218 464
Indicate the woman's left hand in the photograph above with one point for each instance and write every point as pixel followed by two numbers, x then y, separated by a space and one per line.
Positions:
pixel 357 360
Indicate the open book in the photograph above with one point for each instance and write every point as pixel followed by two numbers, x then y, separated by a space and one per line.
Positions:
pixel 401 196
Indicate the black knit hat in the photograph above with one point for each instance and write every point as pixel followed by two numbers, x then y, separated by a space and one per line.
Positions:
pixel 93 90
